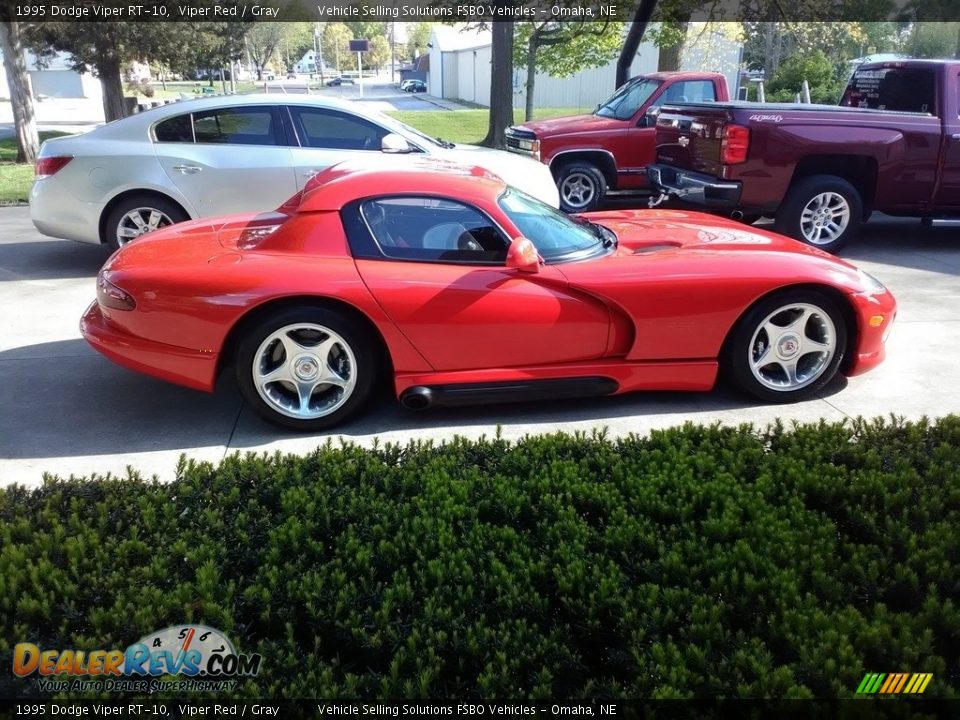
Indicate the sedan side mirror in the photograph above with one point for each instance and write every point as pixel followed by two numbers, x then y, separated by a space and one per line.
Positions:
pixel 394 144
pixel 523 256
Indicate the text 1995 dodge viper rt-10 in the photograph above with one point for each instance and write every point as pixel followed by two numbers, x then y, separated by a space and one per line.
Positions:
pixel 464 290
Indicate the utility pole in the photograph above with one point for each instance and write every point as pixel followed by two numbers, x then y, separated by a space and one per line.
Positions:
pixel 393 50
pixel 318 51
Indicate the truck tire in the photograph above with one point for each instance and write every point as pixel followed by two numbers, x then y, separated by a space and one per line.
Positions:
pixel 824 211
pixel 582 186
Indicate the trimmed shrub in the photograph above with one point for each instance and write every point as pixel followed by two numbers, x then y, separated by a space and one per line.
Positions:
pixel 698 561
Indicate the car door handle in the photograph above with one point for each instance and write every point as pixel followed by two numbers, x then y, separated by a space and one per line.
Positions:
pixel 310 173
pixel 956 136
pixel 188 169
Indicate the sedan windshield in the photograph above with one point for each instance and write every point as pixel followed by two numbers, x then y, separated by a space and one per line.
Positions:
pixel 555 235
pixel 628 98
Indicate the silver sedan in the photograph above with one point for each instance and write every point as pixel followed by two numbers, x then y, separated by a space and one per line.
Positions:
pixel 224 154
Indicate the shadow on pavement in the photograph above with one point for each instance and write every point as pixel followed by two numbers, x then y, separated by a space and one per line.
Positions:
pixel 50 260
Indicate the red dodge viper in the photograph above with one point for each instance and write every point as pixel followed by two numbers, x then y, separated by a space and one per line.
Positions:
pixel 462 289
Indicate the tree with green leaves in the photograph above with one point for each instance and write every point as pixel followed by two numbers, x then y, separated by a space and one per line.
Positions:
pixel 418 35
pixel 562 49
pixel 18 82
pixel 265 39
pixel 336 43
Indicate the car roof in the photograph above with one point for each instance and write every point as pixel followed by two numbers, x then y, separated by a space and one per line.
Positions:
pixel 384 175
pixel 142 120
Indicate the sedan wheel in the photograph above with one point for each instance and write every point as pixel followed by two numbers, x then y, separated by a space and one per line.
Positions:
pixel 137 215
pixel 140 221
pixel 307 368
pixel 787 347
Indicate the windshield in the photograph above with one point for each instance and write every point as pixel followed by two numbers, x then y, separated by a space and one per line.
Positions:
pixel 625 102
pixel 394 125
pixel 554 234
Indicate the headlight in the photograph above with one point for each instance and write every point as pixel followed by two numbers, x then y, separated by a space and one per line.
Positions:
pixel 871 284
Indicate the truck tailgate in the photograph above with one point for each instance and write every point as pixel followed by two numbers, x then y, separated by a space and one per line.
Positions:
pixel 690 136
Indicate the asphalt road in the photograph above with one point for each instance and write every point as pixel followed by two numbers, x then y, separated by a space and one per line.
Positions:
pixel 65 409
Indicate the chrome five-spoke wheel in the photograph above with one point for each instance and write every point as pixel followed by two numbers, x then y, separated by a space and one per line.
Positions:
pixel 792 346
pixel 824 219
pixel 578 190
pixel 788 346
pixel 304 371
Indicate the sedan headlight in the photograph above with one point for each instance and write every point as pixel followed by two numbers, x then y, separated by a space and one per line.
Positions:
pixel 871 284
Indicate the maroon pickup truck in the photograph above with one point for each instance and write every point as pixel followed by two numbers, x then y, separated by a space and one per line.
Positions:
pixel 893 145
pixel 611 148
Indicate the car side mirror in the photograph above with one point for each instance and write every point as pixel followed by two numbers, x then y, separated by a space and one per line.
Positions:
pixel 523 256
pixel 649 118
pixel 394 144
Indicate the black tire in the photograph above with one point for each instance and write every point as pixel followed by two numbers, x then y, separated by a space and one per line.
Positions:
pixel 746 341
pixel 146 202
pixel 584 179
pixel 803 193
pixel 363 366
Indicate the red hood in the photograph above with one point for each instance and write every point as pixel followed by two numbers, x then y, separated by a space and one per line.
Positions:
pixel 572 124
pixel 638 229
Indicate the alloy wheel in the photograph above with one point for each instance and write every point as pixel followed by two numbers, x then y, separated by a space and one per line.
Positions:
pixel 139 221
pixel 792 347
pixel 824 218
pixel 578 189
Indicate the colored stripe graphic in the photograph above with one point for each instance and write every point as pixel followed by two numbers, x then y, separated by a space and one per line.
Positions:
pixel 894 683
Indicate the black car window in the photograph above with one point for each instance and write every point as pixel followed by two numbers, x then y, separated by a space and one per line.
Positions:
pixel 177 129
pixel 236 126
pixel 433 230
pixel 903 89
pixel 322 128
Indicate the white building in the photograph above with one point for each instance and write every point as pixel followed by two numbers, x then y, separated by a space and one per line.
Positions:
pixel 460 68
pixel 54 78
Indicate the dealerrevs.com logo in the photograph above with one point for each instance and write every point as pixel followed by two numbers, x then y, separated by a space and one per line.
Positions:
pixel 178 658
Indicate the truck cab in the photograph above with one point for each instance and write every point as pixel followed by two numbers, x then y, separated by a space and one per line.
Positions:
pixel 609 149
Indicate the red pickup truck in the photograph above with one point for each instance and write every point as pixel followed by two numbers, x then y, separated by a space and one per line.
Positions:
pixel 611 148
pixel 893 146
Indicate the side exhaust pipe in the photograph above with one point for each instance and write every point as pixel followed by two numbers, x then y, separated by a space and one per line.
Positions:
pixel 737 215
pixel 417 398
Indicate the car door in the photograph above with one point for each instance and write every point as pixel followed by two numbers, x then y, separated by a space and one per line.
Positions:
pixel 948 188
pixel 437 268
pixel 326 136
pixel 225 160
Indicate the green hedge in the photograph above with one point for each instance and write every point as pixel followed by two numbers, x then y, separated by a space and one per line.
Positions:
pixel 698 561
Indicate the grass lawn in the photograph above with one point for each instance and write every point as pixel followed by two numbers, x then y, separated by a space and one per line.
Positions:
pixel 462 126
pixel 466 126
pixel 15 179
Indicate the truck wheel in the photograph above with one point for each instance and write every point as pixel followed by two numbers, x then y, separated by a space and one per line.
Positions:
pixel 821 210
pixel 582 187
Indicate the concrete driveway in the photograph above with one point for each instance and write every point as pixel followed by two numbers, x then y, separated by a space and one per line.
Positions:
pixel 64 409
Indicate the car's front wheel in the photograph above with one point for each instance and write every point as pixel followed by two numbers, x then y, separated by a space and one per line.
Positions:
pixel 582 187
pixel 788 346
pixel 138 215
pixel 306 368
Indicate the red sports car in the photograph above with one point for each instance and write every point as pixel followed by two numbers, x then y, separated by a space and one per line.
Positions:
pixel 462 289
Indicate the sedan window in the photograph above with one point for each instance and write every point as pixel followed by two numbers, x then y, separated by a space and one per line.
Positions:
pixel 177 129
pixel 236 126
pixel 320 128
pixel 433 229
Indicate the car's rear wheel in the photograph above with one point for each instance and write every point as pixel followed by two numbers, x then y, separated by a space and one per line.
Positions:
pixel 306 368
pixel 582 187
pixel 137 215
pixel 788 346
pixel 821 210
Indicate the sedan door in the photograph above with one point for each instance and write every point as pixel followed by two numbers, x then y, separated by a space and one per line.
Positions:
pixel 226 160
pixel 325 137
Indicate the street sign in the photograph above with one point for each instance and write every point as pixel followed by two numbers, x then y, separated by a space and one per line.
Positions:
pixel 359 46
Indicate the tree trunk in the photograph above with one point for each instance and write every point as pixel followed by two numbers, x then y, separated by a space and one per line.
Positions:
pixel 669 57
pixel 531 76
pixel 18 80
pixel 641 18
pixel 501 85
pixel 956 53
pixel 112 86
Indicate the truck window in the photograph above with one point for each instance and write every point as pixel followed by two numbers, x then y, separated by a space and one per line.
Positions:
pixel 687 91
pixel 625 102
pixel 892 88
